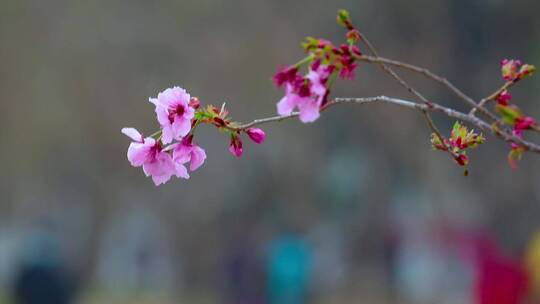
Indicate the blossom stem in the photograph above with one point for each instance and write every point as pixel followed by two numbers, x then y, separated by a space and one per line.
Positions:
pixel 303 61
pixel 156 134
pixel 427 73
pixel 493 96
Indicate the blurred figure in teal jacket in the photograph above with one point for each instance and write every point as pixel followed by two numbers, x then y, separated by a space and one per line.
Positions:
pixel 289 268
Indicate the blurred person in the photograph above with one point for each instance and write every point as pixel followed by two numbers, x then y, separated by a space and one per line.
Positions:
pixel 391 243
pixel 42 277
pixel 499 279
pixel 144 263
pixel 244 274
pixel 289 269
pixel 329 257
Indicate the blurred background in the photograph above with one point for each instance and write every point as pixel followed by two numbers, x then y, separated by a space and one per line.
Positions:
pixel 353 208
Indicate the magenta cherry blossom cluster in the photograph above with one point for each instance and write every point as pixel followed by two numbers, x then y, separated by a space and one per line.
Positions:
pixel 309 93
pixel 307 84
pixel 167 152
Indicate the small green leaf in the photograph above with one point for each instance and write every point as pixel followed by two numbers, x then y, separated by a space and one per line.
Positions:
pixel 509 113
pixel 343 18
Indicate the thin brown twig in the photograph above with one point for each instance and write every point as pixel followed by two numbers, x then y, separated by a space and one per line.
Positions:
pixel 431 75
pixel 412 90
pixel 493 96
pixel 265 120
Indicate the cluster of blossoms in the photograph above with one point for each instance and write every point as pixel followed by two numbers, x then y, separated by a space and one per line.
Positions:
pixel 309 93
pixel 512 71
pixel 167 152
pixel 461 139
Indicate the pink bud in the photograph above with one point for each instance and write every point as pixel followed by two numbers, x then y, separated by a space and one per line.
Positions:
pixel 194 102
pixel 235 147
pixel 256 134
pixel 524 123
pixel 510 69
pixel 462 159
pixel 504 98
pixel 526 70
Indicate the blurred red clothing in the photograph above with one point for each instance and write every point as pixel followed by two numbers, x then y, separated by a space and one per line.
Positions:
pixel 499 279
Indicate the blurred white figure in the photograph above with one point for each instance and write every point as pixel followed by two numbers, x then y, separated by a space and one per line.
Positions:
pixel 329 261
pixel 135 253
pixel 428 269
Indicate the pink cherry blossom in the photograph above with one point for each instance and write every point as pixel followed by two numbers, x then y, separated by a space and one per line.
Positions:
pixel 148 153
pixel 186 151
pixel 161 167
pixel 256 134
pixel 307 94
pixel 291 100
pixel 174 113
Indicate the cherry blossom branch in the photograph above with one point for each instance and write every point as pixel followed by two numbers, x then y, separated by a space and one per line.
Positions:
pixel 168 151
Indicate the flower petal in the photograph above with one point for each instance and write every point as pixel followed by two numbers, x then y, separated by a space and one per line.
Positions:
pixel 198 155
pixel 161 168
pixel 153 100
pixel 167 134
pixel 181 127
pixel 286 105
pixel 181 171
pixel 133 134
pixel 189 113
pixel 182 154
pixel 137 154
pixel 309 111
pixel 162 114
